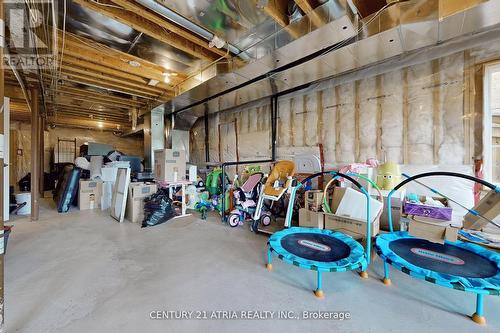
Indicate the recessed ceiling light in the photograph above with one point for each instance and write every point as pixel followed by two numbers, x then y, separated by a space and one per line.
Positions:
pixel 134 63
pixel 100 124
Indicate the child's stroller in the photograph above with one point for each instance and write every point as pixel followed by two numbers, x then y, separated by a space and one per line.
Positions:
pixel 246 201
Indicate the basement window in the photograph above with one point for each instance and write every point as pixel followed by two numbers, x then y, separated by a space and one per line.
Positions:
pixel 491 123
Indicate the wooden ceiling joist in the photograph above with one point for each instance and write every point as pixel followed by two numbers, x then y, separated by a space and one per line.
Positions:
pixel 90 94
pixel 90 51
pixel 61 97
pixel 119 83
pixel 94 82
pixel 91 108
pixel 70 61
pixel 277 10
pixel 164 23
pixel 308 8
pixel 151 29
pixel 68 121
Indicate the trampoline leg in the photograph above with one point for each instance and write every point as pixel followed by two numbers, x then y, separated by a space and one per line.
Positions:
pixel 363 274
pixel 269 266
pixel 386 280
pixel 319 292
pixel 478 317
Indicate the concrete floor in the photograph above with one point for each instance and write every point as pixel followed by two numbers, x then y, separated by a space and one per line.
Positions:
pixel 84 272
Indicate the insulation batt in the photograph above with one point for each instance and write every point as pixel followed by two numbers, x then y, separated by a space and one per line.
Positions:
pixel 429 94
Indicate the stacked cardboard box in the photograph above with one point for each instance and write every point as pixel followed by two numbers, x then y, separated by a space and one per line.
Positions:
pixel 137 192
pixel 89 195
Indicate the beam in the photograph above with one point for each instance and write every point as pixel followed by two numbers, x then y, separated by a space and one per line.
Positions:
pixel 86 112
pixel 88 50
pixel 89 114
pixel 67 90
pixel 70 61
pixel 149 28
pixel 13 92
pixel 60 97
pixel 94 82
pixel 113 80
pixel 277 10
pixel 162 22
pixel 68 121
pixel 308 9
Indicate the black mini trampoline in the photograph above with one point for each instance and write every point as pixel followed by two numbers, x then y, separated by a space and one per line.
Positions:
pixel 458 265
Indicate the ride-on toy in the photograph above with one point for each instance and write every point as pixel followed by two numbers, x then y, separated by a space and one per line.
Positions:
pixel 245 199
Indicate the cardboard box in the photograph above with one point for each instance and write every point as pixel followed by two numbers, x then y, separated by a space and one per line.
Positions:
pixel 313 200
pixel 311 219
pixel 137 192
pixel 432 212
pixel 350 203
pixel 489 207
pixel 89 194
pixel 170 165
pixel 433 231
pixel 353 227
pixel 396 206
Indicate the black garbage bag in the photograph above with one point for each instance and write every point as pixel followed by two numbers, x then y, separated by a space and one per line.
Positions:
pixel 158 209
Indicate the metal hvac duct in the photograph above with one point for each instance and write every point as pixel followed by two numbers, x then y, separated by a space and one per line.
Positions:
pixel 183 22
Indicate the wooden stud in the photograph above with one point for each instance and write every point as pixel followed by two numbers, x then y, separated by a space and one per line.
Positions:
pixel 319 112
pixel 357 106
pixel 436 110
pixel 379 148
pixel 338 138
pixel 406 111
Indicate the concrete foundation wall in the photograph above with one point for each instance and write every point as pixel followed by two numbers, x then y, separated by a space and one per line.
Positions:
pixel 21 136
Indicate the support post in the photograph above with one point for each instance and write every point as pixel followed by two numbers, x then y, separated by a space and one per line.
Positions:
pixel 35 154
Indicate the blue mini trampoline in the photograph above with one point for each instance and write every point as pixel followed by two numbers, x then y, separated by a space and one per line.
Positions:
pixel 320 250
pixel 458 265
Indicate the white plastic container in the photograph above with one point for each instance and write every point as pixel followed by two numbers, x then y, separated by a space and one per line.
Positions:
pixel 24 197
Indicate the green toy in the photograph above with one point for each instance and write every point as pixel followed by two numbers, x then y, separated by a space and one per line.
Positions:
pixel 204 205
pixel 214 181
